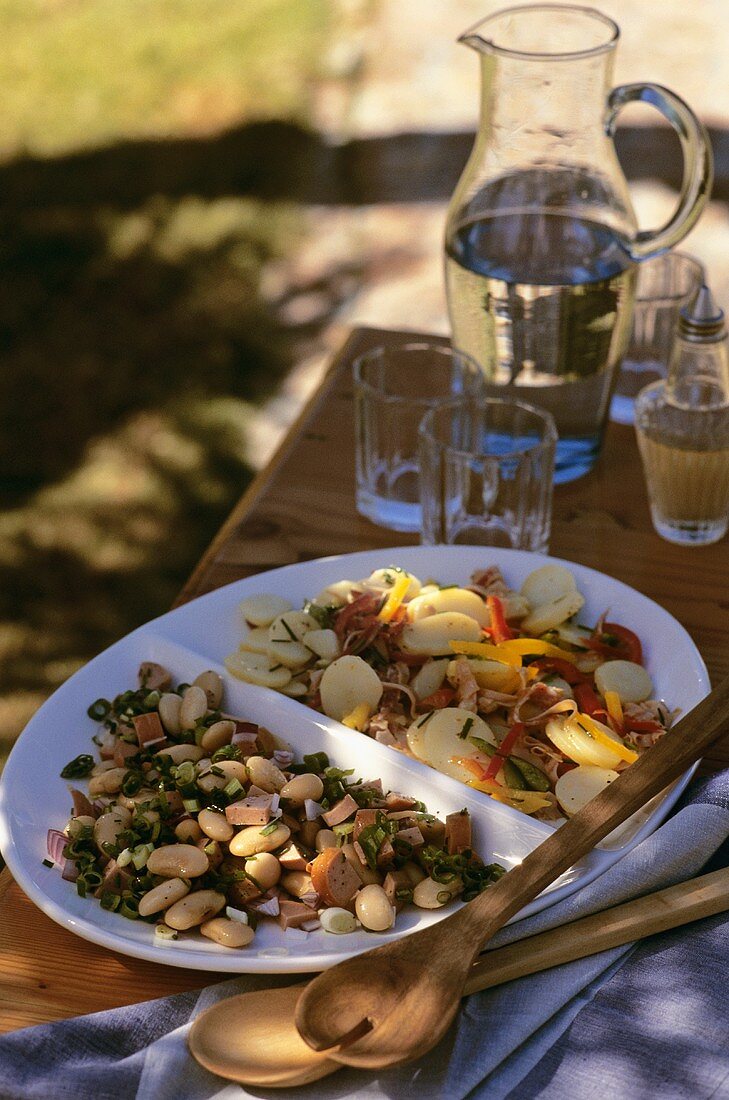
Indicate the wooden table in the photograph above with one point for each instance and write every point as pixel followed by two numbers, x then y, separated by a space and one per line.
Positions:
pixel 301 507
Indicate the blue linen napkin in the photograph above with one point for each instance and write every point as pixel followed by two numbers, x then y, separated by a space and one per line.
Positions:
pixel 656 1024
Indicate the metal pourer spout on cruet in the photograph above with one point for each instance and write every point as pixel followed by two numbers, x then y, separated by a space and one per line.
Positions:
pixel 698 373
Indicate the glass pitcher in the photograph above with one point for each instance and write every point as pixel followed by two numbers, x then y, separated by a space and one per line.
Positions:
pixel 541 239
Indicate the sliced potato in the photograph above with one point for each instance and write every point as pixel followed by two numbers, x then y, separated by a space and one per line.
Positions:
pixel 548 616
pixel 432 636
pixel 261 610
pixel 346 684
pixel 336 594
pixel 294 688
pixel 449 599
pixel 579 786
pixel 571 739
pixel 323 642
pixel 256 640
pixel 628 680
pixel 285 638
pixel 387 577
pixel 441 738
pixel 428 678
pixel 257 668
pixel 547 584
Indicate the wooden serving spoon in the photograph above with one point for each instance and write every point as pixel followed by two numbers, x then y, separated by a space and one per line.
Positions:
pixel 393 1004
pixel 252 1038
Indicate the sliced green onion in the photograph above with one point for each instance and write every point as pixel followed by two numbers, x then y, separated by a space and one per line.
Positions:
pixel 141 854
pixel 99 710
pixel 109 901
pixel 124 858
pixel 270 828
pixel 233 788
pixel 443 896
pixel 129 908
pixel 48 863
pixel 165 932
pixel 192 805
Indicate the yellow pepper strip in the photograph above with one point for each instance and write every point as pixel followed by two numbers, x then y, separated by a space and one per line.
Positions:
pixel 617 747
pixel 528 647
pixel 394 599
pixel 614 706
pixel 526 801
pixel 358 718
pixel 490 652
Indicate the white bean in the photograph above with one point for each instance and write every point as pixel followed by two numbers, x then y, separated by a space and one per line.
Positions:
pixel 188 831
pixel 346 684
pixel 212 685
pixel 226 932
pixel 326 838
pixel 373 909
pixel 162 896
pixel 215 825
pixel 251 840
pixel 194 707
pixel 226 770
pixel 194 909
pixel 178 861
pixel 110 824
pixel 429 894
pixel 179 753
pixel 301 787
pixel 265 774
pixel 265 869
pixel 108 783
pixel 169 712
pixel 217 735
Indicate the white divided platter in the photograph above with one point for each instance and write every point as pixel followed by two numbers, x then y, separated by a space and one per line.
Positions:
pixel 197 636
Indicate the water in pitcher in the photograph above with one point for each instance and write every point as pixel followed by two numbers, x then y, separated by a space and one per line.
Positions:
pixel 541 299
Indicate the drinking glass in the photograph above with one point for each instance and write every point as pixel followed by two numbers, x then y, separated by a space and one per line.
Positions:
pixel 393 388
pixel 486 472
pixel 665 285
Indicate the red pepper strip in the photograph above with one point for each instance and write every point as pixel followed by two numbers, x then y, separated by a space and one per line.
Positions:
pixel 499 757
pixel 588 702
pixel 565 669
pixel 437 699
pixel 636 725
pixel 499 630
pixel 625 647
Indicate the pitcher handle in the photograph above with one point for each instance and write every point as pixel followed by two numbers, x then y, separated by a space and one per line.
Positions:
pixel 698 164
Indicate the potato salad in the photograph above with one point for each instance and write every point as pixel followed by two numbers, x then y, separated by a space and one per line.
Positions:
pixel 507 690
pixel 198 821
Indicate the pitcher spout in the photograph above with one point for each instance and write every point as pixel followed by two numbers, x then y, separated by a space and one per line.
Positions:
pixel 475 41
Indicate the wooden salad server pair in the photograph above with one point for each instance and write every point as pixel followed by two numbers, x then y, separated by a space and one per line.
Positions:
pixel 394 1003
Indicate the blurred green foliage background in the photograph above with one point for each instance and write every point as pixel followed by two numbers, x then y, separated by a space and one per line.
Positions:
pixel 134 343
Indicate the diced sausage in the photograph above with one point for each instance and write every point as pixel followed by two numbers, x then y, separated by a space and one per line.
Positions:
pixel 334 880
pixel 154 677
pixel 396 882
pixel 458 832
pixel 395 801
pixel 293 914
pixel 412 836
pixel 149 729
pixel 292 823
pixel 242 893
pixel 81 805
pixel 250 811
pixel 116 879
pixel 363 819
pixel 123 750
pixel 341 811
pixel 293 857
